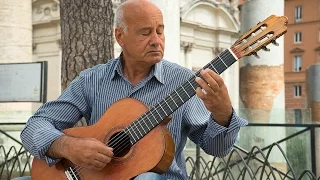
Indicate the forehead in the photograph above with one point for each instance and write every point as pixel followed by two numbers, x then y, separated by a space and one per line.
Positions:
pixel 145 17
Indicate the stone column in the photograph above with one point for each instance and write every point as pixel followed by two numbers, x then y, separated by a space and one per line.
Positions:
pixel 313 94
pixel 262 80
pixel 171 17
pixel 16 39
pixel 186 60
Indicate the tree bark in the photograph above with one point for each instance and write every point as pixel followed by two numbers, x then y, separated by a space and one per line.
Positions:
pixel 86 36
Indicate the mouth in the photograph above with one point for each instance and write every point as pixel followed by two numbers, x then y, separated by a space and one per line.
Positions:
pixel 154 52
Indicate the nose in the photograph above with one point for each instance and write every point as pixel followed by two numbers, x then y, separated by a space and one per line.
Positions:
pixel 155 40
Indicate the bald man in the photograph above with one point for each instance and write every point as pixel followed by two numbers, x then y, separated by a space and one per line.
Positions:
pixel 140 72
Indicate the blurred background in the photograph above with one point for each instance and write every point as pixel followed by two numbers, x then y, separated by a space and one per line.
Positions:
pixel 44 44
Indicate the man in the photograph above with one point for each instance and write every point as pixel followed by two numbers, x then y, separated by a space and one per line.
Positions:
pixel 140 72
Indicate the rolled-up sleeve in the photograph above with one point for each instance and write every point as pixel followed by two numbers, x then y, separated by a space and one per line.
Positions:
pixel 213 138
pixel 45 126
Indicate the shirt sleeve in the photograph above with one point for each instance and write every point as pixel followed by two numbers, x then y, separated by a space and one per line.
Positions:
pixel 213 138
pixel 46 124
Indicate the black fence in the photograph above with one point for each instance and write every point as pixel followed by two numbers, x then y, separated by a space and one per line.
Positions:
pixel 239 164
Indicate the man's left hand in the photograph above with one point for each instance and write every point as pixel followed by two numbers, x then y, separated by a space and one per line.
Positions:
pixel 216 97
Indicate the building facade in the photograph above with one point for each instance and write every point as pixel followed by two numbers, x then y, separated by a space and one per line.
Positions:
pixel 302 48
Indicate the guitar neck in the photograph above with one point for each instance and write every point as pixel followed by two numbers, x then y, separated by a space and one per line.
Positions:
pixel 154 116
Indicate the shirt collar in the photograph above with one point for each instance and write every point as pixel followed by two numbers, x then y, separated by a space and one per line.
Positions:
pixel 156 71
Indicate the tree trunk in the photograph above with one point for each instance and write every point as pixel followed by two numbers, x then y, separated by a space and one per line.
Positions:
pixel 86 36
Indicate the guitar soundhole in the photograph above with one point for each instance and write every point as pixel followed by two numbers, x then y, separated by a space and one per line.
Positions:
pixel 120 142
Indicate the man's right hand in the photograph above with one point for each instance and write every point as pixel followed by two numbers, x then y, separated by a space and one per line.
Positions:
pixel 83 152
pixel 89 153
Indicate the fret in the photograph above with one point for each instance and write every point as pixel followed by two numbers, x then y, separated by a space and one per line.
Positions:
pixel 214 68
pixel 134 133
pixel 173 101
pixel 143 128
pixel 185 91
pixel 191 85
pixel 168 105
pixel 158 112
pixel 153 116
pixel 148 120
pixel 222 61
pixel 137 127
pixel 128 130
pixel 179 96
pixel 163 109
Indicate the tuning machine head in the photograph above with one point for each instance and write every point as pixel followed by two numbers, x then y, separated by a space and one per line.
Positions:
pixel 275 42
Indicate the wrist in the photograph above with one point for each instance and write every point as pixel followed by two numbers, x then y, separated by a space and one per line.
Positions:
pixel 222 119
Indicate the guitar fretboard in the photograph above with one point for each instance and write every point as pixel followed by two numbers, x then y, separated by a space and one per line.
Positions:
pixel 153 117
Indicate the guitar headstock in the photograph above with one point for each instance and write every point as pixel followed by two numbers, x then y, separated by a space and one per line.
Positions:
pixel 260 36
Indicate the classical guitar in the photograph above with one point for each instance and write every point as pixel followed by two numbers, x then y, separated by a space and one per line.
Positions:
pixel 132 131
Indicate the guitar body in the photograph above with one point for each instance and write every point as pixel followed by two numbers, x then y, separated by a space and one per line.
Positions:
pixel 154 152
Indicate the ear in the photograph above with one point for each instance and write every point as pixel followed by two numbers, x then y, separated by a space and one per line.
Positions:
pixel 119 35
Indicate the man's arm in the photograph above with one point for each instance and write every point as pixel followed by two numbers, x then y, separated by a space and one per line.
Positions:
pixel 45 126
pixel 212 137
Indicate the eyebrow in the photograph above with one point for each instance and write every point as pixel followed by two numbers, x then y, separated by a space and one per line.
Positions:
pixel 149 27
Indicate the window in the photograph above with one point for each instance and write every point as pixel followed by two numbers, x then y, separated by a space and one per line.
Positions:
pixel 297 37
pixel 298 14
pixel 297 91
pixel 297 63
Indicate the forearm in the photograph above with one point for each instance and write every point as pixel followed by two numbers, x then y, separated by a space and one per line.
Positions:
pixel 59 147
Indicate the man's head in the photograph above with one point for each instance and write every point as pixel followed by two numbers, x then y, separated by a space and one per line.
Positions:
pixel 140 31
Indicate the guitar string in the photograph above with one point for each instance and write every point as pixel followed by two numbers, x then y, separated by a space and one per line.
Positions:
pixel 213 63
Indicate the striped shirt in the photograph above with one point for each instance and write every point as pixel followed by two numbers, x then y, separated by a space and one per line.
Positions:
pixel 97 88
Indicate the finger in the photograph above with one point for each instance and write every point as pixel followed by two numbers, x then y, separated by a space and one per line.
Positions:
pixel 218 79
pixel 105 150
pixel 102 158
pixel 204 85
pixel 200 93
pixel 208 76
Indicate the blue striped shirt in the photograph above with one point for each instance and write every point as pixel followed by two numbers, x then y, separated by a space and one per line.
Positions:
pixel 96 88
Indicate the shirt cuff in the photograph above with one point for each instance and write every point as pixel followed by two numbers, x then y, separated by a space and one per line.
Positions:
pixel 43 139
pixel 235 123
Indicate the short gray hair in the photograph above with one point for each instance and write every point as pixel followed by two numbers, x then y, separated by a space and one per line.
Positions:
pixel 119 18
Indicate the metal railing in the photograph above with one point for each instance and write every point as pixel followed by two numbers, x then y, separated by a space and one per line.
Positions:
pixel 241 164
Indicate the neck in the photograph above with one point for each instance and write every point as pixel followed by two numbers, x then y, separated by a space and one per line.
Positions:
pixel 134 71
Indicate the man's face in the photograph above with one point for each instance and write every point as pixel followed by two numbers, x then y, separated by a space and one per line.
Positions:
pixel 144 40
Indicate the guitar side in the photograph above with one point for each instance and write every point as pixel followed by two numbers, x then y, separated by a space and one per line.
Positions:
pixel 154 152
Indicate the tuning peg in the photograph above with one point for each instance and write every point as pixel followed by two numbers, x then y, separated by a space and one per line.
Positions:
pixel 265 48
pixel 275 43
pixel 256 55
